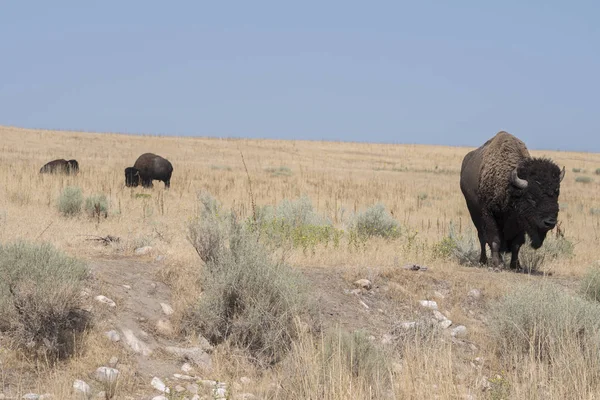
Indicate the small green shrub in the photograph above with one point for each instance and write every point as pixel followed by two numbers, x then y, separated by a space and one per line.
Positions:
pixel 70 201
pixel 295 223
pixel 249 300
pixel 576 170
pixel 597 171
pixel 552 249
pixel 375 221
pixel 584 179
pixel 96 206
pixel 279 171
pixel 590 284
pixel 546 322
pixel 463 249
pixel 595 211
pixel 40 294
pixel 220 167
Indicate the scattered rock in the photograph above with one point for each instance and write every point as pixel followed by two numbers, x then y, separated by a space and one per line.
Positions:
pixel 204 344
pixel 159 385
pixel 128 287
pixel 107 375
pixel 439 316
pixel 113 361
pixel 459 332
pixel 136 344
pixel 183 377
pixel 474 294
pixel 220 392
pixel 245 380
pixel 429 304
pixel 187 368
pixel 167 309
pixel 193 354
pixel 414 267
pixel 193 388
pixel 31 396
pixel 179 389
pixel 439 295
pixel 106 300
pixel 113 336
pixel 82 388
pixel 363 283
pixel 140 251
pixel 445 324
pixel 164 328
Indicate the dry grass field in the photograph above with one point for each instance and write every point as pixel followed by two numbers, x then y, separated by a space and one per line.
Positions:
pixel 417 184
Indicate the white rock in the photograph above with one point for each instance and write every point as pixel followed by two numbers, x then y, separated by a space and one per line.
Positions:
pixel 459 332
pixel 31 396
pixel 136 344
pixel 439 316
pixel 128 287
pixel 106 300
pixel 363 283
pixel 429 304
pixel 220 393
pixel 445 324
pixel 408 325
pixel 167 309
pixel 183 377
pixel 113 336
pixel 179 389
pixel 439 295
pixel 164 327
pixel 187 368
pixel 143 250
pixel 193 354
pixel 82 388
pixel 113 361
pixel 106 375
pixel 245 380
pixel 159 385
pixel 475 294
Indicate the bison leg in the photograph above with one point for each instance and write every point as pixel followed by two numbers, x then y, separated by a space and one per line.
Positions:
pixel 492 234
pixel 515 246
pixel 167 183
pixel 483 257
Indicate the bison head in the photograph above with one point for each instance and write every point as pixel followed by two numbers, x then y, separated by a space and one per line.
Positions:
pixel 72 167
pixel 132 177
pixel 536 186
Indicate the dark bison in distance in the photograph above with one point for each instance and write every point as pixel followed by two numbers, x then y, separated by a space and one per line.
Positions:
pixel 149 167
pixel 509 193
pixel 70 167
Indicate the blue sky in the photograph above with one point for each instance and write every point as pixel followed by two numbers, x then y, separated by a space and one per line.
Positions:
pixel 383 71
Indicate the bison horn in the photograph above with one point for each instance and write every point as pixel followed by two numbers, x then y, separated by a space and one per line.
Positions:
pixel 518 182
pixel 562 174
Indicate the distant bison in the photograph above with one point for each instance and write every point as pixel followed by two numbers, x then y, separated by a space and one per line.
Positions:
pixel 509 193
pixel 149 167
pixel 70 167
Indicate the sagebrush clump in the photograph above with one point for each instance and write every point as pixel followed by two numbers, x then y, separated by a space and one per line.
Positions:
pixel 40 294
pixel 249 300
pixel 70 201
pixel 590 284
pixel 96 206
pixel 375 221
pixel 295 223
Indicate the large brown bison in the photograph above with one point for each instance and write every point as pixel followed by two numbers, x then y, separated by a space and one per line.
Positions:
pixel 509 193
pixel 149 167
pixel 70 167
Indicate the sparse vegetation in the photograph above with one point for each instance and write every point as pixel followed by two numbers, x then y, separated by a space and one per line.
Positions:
pixel 40 299
pixel 553 248
pixel 465 250
pixel 584 179
pixel 590 284
pixel 295 223
pixel 249 300
pixel 375 221
pixel 96 206
pixel 279 171
pixel 544 322
pixel 576 170
pixel 70 201
pixel 597 171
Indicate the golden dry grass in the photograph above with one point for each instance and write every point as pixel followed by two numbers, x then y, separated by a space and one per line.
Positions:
pixel 418 184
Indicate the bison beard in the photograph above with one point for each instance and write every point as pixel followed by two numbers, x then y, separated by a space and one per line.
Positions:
pixel 508 194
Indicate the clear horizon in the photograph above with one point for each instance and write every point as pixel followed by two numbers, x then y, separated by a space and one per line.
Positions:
pixel 391 72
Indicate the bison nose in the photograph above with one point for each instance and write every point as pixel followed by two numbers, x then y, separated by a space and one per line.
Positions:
pixel 550 222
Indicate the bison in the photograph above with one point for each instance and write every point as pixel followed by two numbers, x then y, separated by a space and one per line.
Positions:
pixel 149 167
pixel 509 193
pixel 70 167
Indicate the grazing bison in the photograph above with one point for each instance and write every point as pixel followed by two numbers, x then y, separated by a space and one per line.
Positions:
pixel 509 193
pixel 70 167
pixel 149 167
